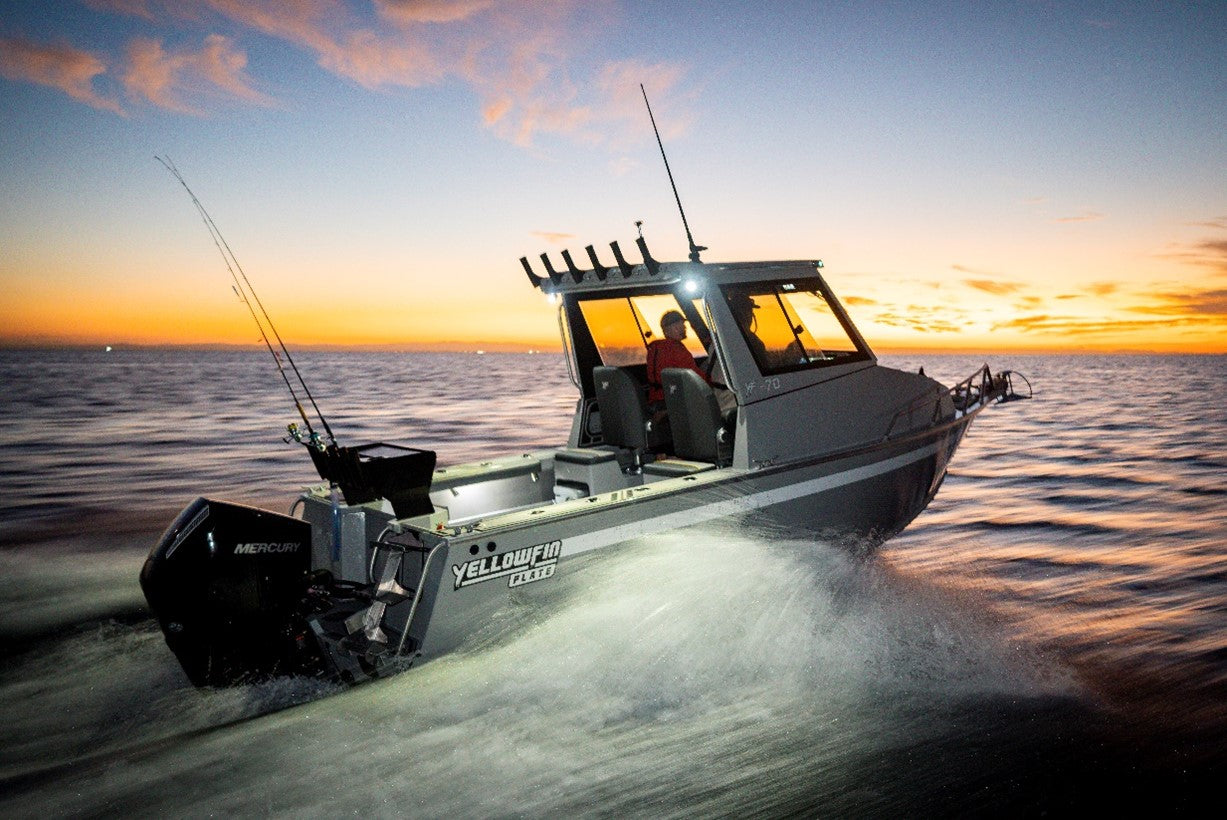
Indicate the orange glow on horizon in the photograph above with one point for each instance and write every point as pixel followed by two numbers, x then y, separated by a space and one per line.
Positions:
pixel 530 323
pixel 439 304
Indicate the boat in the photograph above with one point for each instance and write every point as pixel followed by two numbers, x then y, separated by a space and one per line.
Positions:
pixel 787 418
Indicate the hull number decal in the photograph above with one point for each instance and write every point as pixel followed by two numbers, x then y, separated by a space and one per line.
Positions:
pixel 519 567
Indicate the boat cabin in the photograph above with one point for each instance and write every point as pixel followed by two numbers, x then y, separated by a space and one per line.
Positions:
pixel 759 332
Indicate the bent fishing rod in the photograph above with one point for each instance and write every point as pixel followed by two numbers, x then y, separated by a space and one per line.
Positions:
pixel 247 294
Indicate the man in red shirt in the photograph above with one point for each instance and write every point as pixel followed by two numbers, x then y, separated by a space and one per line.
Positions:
pixel 668 352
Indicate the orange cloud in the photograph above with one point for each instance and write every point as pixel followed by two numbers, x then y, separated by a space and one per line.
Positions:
pixel 1203 303
pixel 164 78
pixel 430 11
pixel 923 319
pixel 1082 326
pixel 553 237
pixel 993 287
pixel 62 67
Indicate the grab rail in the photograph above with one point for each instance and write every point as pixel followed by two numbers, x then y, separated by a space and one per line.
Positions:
pixel 974 392
pixel 564 330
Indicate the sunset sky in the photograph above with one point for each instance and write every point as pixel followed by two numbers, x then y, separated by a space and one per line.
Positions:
pixel 975 175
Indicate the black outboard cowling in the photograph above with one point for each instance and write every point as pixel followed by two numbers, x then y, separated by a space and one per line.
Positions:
pixel 228 584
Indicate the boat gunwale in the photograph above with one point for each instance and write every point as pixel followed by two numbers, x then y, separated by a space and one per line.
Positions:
pixel 717 476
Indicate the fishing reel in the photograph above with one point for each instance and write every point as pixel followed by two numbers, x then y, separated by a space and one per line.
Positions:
pixel 312 440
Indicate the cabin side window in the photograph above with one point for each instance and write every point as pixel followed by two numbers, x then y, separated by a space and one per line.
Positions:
pixel 623 327
pixel 790 326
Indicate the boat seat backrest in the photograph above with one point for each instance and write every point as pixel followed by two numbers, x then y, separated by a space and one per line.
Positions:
pixel 694 415
pixel 624 408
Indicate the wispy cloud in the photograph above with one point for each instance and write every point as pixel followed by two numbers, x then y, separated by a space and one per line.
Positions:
pixel 1208 253
pixel 1219 223
pixel 620 166
pixel 340 42
pixel 431 11
pixel 1210 302
pixel 1082 326
pixel 992 286
pixel 517 56
pixel 514 54
pixel 973 271
pixel 623 114
pixel 553 237
pixel 62 67
pixel 923 319
pixel 1085 216
pixel 167 78
pixel 1197 302
pixel 1102 288
pixel 1162 310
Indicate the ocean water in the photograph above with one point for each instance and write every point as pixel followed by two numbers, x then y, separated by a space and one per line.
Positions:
pixel 1050 636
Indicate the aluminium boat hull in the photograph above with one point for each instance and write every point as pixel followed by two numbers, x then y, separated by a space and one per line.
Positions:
pixel 863 496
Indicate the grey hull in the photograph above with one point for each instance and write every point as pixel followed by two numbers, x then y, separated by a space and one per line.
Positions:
pixel 867 494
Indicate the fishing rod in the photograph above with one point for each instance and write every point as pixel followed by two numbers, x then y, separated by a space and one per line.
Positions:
pixel 694 249
pixel 242 289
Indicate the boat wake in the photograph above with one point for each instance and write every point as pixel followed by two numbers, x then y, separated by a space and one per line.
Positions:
pixel 703 671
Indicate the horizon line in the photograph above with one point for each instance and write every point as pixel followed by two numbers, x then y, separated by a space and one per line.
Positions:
pixel 526 349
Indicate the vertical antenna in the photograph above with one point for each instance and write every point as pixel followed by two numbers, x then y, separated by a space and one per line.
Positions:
pixel 694 249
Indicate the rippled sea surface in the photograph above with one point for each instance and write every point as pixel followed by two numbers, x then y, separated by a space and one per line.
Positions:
pixel 1050 636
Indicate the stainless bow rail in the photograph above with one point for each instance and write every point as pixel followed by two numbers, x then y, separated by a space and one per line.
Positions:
pixel 978 390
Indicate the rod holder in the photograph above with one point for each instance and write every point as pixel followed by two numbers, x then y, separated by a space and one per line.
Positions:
pixel 576 273
pixel 623 265
pixel 652 265
pixel 555 276
pixel 597 268
pixel 532 277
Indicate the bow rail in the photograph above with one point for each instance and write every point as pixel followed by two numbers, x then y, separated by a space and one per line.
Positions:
pixel 970 395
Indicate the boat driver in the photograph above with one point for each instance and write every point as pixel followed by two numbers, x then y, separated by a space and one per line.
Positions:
pixel 668 352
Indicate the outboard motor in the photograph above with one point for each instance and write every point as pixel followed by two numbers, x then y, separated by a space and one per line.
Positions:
pixel 229 586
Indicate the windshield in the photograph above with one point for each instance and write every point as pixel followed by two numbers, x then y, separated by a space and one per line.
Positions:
pixel 622 327
pixel 790 325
